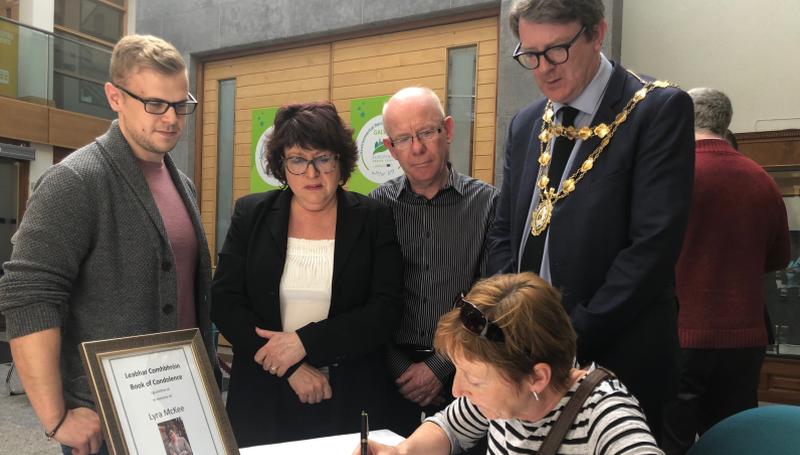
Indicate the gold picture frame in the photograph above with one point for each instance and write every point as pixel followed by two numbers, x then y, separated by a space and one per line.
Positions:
pixel 157 392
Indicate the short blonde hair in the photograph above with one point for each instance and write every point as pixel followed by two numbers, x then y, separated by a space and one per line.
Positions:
pixel 535 326
pixel 134 52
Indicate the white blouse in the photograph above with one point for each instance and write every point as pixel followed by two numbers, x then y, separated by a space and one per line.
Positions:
pixel 306 283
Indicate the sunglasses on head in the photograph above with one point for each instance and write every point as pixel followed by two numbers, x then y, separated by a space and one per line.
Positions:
pixel 476 322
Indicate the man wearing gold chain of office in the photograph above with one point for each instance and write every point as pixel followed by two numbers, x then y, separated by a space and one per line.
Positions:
pixel 596 192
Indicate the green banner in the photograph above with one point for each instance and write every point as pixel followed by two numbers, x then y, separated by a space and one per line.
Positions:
pixel 260 178
pixel 375 163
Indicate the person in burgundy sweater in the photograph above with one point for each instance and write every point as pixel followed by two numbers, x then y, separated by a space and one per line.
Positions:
pixel 737 232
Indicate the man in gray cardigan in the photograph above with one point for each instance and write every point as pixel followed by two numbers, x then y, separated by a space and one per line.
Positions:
pixel 111 244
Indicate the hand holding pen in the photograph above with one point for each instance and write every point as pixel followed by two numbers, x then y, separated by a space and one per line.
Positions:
pixel 375 448
pixel 367 447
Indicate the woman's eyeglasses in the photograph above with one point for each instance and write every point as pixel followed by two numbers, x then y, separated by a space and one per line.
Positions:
pixel 476 322
pixel 298 165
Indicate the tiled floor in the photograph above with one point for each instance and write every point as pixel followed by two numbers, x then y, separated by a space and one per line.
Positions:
pixel 20 432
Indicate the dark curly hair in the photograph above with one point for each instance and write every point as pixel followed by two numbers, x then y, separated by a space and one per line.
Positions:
pixel 311 126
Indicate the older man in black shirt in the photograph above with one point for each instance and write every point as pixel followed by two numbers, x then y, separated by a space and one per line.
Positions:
pixel 442 219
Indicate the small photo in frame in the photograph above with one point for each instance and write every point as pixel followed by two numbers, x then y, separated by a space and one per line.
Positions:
pixel 173 433
pixel 156 394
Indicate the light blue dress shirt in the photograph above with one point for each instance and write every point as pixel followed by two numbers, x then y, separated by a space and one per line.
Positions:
pixel 587 103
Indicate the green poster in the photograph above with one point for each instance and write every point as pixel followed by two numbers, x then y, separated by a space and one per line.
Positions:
pixel 260 178
pixel 375 163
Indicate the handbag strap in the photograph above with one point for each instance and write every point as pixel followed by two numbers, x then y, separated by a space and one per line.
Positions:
pixel 556 434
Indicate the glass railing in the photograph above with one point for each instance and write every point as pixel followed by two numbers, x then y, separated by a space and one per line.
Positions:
pixel 40 67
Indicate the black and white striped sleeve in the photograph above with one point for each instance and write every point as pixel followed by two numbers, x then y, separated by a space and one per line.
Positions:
pixel 618 427
pixel 463 424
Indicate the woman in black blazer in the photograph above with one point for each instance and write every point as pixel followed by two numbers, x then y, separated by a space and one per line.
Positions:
pixel 308 289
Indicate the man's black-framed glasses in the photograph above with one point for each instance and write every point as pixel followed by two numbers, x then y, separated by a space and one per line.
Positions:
pixel 298 165
pixel 476 322
pixel 160 107
pixel 555 55
pixel 425 136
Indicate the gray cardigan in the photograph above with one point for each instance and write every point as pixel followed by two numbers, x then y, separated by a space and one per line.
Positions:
pixel 92 256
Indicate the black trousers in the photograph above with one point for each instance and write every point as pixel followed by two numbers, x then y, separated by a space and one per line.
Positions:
pixel 714 384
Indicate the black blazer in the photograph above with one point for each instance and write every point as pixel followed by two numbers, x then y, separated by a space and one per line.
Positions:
pixel 615 240
pixel 366 302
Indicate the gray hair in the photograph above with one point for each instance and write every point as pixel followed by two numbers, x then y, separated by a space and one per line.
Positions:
pixel 712 110
pixel 588 12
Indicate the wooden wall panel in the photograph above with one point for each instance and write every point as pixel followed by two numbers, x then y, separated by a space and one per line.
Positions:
pixel 268 62
pixel 74 130
pixel 381 65
pixel 23 121
pixel 771 148
pixel 263 80
pixel 341 71
pixel 47 125
pixel 208 157
pixel 780 381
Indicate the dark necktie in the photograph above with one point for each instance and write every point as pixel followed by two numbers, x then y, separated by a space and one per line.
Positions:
pixel 562 148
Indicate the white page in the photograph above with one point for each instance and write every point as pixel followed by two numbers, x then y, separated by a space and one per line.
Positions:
pixel 342 444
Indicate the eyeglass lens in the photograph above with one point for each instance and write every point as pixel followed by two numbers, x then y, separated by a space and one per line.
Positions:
pixel 158 107
pixel 422 136
pixel 298 165
pixel 555 55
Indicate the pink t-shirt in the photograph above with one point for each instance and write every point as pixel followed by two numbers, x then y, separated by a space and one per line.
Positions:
pixel 180 232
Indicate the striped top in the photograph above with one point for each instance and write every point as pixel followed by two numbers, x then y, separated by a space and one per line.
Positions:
pixel 610 422
pixel 443 241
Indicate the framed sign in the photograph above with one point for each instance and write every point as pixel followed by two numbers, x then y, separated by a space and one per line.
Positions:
pixel 156 394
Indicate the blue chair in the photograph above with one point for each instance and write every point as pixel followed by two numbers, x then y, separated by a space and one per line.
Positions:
pixel 768 430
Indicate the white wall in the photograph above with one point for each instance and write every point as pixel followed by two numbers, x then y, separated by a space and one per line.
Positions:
pixel 37 13
pixel 35 49
pixel 749 49
pixel 131 17
pixel 44 159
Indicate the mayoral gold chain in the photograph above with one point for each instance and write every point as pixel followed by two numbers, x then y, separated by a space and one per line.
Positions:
pixel 548 196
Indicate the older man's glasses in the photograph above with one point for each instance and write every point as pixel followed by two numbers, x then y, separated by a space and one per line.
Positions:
pixel 555 55
pixel 476 322
pixel 298 165
pixel 424 137
pixel 160 107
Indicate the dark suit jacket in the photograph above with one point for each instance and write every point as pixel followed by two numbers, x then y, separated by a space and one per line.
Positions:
pixel 366 303
pixel 615 240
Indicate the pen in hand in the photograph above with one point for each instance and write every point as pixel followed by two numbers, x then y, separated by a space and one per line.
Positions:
pixel 364 433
